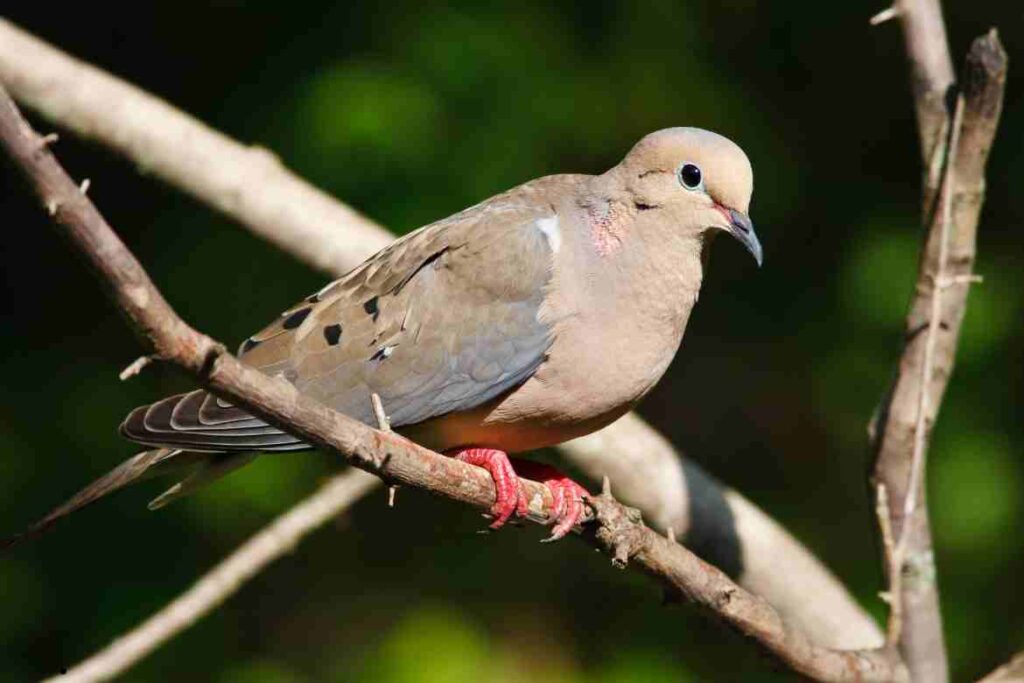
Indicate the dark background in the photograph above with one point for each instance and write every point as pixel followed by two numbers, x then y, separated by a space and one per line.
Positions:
pixel 411 111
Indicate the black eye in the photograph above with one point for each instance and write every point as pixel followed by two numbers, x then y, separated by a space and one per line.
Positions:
pixel 690 176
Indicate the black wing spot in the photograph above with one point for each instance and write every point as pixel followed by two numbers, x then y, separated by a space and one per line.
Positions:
pixel 372 309
pixel 332 333
pixel 296 318
pixel 383 353
pixel 248 345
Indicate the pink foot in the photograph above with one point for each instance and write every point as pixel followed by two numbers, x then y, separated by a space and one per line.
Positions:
pixel 508 492
pixel 510 498
pixel 568 495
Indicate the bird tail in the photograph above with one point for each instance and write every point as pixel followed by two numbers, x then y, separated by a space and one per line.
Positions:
pixel 206 467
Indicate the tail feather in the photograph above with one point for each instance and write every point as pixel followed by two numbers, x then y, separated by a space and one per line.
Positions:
pixel 136 468
pixel 209 470
pixel 199 421
pixel 194 430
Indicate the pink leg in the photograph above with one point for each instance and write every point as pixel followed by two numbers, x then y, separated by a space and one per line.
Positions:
pixel 508 492
pixel 568 495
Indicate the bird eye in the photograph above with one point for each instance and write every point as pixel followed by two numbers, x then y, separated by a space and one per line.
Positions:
pixel 690 176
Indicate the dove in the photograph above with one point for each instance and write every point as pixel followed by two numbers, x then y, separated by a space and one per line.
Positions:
pixel 534 317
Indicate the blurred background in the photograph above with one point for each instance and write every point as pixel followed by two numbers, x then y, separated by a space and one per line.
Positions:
pixel 410 111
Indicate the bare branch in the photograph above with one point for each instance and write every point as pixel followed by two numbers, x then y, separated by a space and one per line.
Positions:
pixel 885 15
pixel 619 531
pixel 272 202
pixel 247 183
pixel 931 70
pixel 1011 672
pixel 724 528
pixel 954 153
pixel 276 539
pixel 135 367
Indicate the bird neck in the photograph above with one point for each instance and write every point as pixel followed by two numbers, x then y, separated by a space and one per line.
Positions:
pixel 637 266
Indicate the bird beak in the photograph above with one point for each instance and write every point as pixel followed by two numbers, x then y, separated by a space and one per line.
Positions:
pixel 742 229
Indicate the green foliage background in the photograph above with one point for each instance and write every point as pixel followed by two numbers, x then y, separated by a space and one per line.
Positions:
pixel 411 111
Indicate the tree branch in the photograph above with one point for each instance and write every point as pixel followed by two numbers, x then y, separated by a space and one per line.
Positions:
pixel 218 584
pixel 618 530
pixel 269 200
pixel 1011 672
pixel 954 151
pixel 931 70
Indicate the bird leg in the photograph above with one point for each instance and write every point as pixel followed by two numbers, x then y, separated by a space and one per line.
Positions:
pixel 510 497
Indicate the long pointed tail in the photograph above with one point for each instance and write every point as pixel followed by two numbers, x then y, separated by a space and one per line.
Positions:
pixel 147 463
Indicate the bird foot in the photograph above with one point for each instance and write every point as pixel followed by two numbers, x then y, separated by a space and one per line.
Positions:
pixel 567 494
pixel 510 496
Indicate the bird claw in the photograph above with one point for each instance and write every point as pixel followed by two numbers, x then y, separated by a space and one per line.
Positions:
pixel 566 494
pixel 510 494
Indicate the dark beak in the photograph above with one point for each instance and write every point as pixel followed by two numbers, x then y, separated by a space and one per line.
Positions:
pixel 742 229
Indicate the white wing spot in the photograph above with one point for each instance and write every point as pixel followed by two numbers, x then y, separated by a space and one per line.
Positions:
pixel 326 288
pixel 552 232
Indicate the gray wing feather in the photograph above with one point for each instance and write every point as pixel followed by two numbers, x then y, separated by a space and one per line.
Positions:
pixel 443 320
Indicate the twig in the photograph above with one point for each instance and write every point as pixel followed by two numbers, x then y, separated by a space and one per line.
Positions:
pixel 618 531
pixel 939 280
pixel 931 70
pixel 885 15
pixel 672 490
pixel 273 541
pixel 135 367
pixel 953 152
pixel 383 424
pixel 893 563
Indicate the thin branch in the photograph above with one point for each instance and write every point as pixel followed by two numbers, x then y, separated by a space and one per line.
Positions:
pixel 885 15
pixel 135 367
pixel 272 202
pixel 938 285
pixel 1011 672
pixel 954 151
pixel 931 69
pixel 247 183
pixel 724 528
pixel 618 531
pixel 276 539
pixel 892 565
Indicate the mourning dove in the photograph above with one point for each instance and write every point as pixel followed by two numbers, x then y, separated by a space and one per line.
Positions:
pixel 537 316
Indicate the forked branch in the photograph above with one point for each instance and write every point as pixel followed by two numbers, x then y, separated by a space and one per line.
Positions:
pixel 956 129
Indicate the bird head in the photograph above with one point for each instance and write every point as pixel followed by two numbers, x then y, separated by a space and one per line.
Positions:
pixel 702 180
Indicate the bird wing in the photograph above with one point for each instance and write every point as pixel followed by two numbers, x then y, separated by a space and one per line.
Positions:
pixel 441 321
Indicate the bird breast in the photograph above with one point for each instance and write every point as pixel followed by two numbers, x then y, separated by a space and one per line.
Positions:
pixel 617 320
